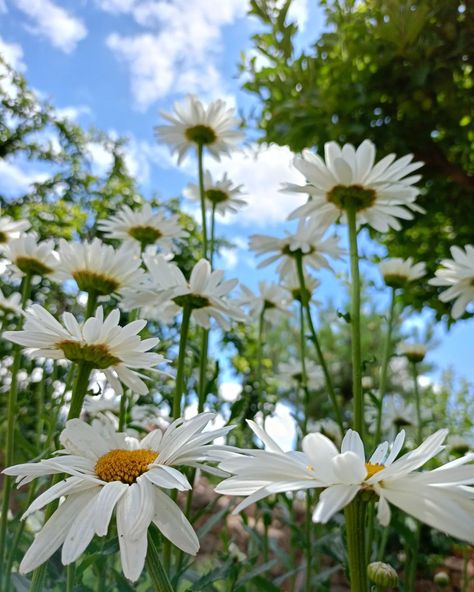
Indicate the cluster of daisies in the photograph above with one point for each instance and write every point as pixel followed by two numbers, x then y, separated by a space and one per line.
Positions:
pixel 106 471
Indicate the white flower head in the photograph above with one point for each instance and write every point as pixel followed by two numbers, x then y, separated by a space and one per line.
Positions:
pixel 205 293
pixel 396 414
pixel 100 342
pixel 193 124
pixel 271 299
pixel 291 282
pixel 99 268
pixel 28 255
pixel 398 272
pixel 113 471
pixel 143 227
pixel 458 275
pixel 348 178
pixel 308 241
pixel 222 195
pixel 10 304
pixel 414 352
pixel 290 374
pixel 10 229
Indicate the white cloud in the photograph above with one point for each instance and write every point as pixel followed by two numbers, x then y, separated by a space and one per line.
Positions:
pixel 16 180
pixel 228 258
pixel 73 112
pixel 261 171
pixel 179 51
pixel 116 6
pixel 53 22
pixel 12 53
pixel 298 12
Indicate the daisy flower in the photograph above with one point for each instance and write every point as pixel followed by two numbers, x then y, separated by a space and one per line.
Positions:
pixel 10 228
pixel 272 300
pixel 193 125
pixel 107 472
pixel 348 178
pixel 458 275
pixel 99 342
pixel 144 227
pixel 398 272
pixel 206 292
pixel 290 375
pixel 291 282
pixel 396 413
pixel 308 241
pixel 10 304
pixel 99 268
pixel 414 352
pixel 29 256
pixel 222 195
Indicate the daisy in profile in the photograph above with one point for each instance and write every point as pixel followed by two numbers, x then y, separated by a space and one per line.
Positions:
pixel 206 292
pixel 381 193
pixel 398 272
pixel 10 304
pixel 291 283
pixel 272 300
pixel 308 241
pixel 414 352
pixel 194 125
pixel 10 229
pixel 99 268
pixel 107 472
pixel 457 275
pixel 222 196
pixel 143 227
pixel 99 342
pixel 29 256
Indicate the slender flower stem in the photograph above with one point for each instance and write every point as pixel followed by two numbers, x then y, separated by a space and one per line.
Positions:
pixel 213 229
pixel 304 376
pixel 157 574
pixel 384 368
pixel 80 389
pixel 202 196
pixel 91 304
pixel 315 340
pixel 358 400
pixel 70 578
pixel 122 410
pixel 309 546
pixel 183 340
pixel 355 532
pixel 203 370
pixel 419 426
pixel 11 421
pixel 260 338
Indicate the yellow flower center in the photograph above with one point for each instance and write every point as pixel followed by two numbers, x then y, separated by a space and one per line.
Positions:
pixel 32 266
pixel 147 235
pixel 217 196
pixel 124 465
pixel 201 134
pixel 373 469
pixel 89 281
pixel 352 196
pixel 96 354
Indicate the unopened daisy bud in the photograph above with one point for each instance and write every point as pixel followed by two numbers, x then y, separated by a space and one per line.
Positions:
pixel 382 574
pixel 441 580
pixel 414 352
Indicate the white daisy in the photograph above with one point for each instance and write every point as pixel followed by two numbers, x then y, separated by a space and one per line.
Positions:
pixel 414 352
pixel 221 195
pixel 193 124
pixel 308 240
pixel 206 292
pixel 27 255
pixel 291 282
pixel 380 193
pixel 10 229
pixel 289 375
pixel 102 343
pixel 458 274
pixel 397 272
pixel 107 472
pixel 144 227
pixel 271 298
pixel 99 268
pixel 396 414
pixel 11 304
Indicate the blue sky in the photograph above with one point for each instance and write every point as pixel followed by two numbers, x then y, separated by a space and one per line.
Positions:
pixel 116 63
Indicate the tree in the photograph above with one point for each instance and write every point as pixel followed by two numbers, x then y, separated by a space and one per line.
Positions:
pixel 396 71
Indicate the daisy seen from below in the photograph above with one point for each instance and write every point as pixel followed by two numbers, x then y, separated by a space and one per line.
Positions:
pixel 222 196
pixel 107 472
pixel 291 283
pixel 99 343
pixel 206 292
pixel 290 374
pixel 398 272
pixel 98 268
pixel 308 242
pixel 272 301
pixel 457 275
pixel 29 256
pixel 144 227
pixel 414 352
pixel 10 229
pixel 347 178
pixel 194 125
pixel 10 304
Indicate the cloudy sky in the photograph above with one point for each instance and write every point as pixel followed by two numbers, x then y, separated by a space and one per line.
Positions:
pixel 116 64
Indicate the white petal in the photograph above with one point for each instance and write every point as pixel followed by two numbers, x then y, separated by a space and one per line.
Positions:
pixel 332 500
pixel 173 524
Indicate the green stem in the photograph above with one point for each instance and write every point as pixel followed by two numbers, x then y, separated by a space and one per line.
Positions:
pixel 309 549
pixel 40 407
pixel 358 400
pixel 419 426
pixel 304 377
pixel 202 199
pixel 355 532
pixel 122 410
pixel 213 228
pixel 11 422
pixel 183 339
pixel 315 340
pixel 80 389
pixel 70 578
pixel 412 553
pixel 155 569
pixel 260 338
pixel 384 368
pixel 203 370
pixel 91 304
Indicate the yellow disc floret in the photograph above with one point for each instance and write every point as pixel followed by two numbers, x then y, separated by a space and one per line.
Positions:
pixel 124 465
pixel 373 469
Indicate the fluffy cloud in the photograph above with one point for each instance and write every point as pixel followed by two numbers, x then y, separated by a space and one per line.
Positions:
pixel 12 53
pixel 16 180
pixel 179 49
pixel 53 22
pixel 262 171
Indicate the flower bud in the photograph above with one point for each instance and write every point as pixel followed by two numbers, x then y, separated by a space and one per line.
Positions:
pixel 441 580
pixel 382 574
